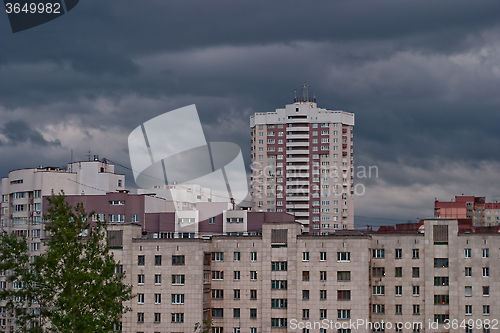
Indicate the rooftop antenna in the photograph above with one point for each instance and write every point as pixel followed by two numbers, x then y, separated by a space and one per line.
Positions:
pixel 71 164
pixel 305 92
pixel 89 155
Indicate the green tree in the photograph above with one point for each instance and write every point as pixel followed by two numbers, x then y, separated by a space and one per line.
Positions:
pixel 23 297
pixel 204 327
pixel 73 281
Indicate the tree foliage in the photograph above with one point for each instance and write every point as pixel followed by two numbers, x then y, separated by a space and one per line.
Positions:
pixel 73 282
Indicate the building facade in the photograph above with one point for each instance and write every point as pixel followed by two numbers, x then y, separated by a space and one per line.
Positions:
pixel 481 213
pixel 410 279
pixel 302 163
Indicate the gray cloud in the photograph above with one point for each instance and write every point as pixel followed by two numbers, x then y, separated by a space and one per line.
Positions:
pixel 18 131
pixel 422 78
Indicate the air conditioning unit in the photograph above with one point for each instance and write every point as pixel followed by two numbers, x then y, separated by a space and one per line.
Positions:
pixel 38 212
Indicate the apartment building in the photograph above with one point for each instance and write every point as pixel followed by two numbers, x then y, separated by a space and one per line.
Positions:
pixel 413 278
pixel 481 213
pixel 302 163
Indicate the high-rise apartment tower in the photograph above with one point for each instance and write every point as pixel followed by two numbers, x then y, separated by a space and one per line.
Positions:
pixel 302 163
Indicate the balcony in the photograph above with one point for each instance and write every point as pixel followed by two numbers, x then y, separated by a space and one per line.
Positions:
pixel 297 129
pixel 297 175
pixel 297 190
pixel 297 136
pixel 297 144
pixel 298 198
pixel 301 213
pixel 298 152
pixel 298 183
pixel 297 159
pixel 297 167
pixel 298 206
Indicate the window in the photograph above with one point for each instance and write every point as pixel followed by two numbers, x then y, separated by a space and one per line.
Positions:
pixel 486 253
pixel 322 275
pixel 416 309
pixel 486 271
pixel 236 294
pixel 177 317
pixel 468 291
pixel 157 317
pixel 322 295
pixel 415 272
pixel 322 256
pixel 399 291
pixel 278 322
pixel 416 254
pixel 467 253
pixel 158 298
pixel 322 313
pixel 378 253
pixel 399 272
pixel 343 276
pixel 305 256
pixel 468 271
pixel 344 256
pixel 416 290
pixel 305 275
pixel 343 295
pixel 157 260
pixel 399 309
pixel 441 299
pixel 217 294
pixel 116 217
pixel 253 275
pixel 343 314
pixel 217 275
pixel 237 256
pixel 140 317
pixel 253 256
pixel 178 260
pixel 378 290
pixel 305 295
pixel 305 313
pixel 279 303
pixel 278 265
pixel 441 281
pixel 486 310
pixel 399 254
pixel 217 256
pixel 378 271
pixel 236 275
pixel 468 310
pixel 140 278
pixel 279 284
pixel 441 262
pixel 253 313
pixel 217 313
pixel 378 308
pixel 140 298
pixel 177 279
pixel 486 291
pixel 440 318
pixel 236 313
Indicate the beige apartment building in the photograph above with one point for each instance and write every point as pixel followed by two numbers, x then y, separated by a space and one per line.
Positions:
pixel 285 281
pixel 302 164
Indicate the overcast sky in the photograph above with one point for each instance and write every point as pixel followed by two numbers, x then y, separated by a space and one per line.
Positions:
pixel 422 77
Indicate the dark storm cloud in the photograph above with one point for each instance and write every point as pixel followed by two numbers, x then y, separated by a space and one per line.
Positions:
pixel 422 78
pixel 18 131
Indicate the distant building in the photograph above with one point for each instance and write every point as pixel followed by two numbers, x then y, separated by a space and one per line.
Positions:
pixel 281 280
pixel 302 163
pixel 481 213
